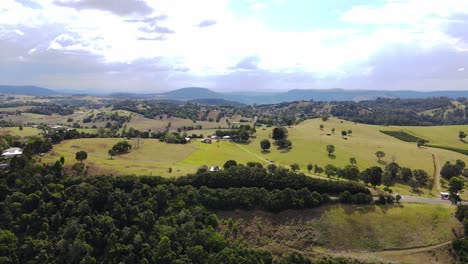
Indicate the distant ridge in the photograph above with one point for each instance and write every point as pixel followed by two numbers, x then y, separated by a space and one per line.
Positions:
pixel 204 95
pixel 26 90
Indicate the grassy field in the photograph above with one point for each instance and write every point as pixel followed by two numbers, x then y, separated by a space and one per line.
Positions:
pixel 309 145
pixel 26 132
pixel 152 158
pixel 437 135
pixel 380 227
pixel 344 230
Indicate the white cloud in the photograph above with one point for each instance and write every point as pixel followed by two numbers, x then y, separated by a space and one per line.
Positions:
pixel 171 36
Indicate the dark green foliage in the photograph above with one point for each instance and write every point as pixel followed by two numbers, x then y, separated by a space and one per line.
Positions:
pixel 400 112
pixel 402 135
pixel 245 176
pixel 230 163
pixel 462 151
pixel 451 170
pixel 279 133
pixel 121 147
pixel 81 155
pixel 250 198
pixel 265 144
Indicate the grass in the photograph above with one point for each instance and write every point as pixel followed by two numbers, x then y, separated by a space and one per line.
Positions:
pixel 339 229
pixel 152 158
pixel 26 132
pixel 309 144
pixel 381 227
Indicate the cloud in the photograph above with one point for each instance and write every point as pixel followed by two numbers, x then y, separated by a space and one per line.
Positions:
pixel 119 7
pixel 248 63
pixel 206 23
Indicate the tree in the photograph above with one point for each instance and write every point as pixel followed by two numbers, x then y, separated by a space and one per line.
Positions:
pixel 375 175
pixel 387 179
pixel 111 153
pixel 309 167
pixel 324 118
pixel 330 170
pixel 350 132
pixel 8 247
pixel 414 185
pixel 451 170
pixel 121 147
pixel 244 135
pixel 461 135
pixel 321 126
pixel 62 160
pixel 295 167
pixel 81 155
pixel 350 172
pixel 380 154
pixel 353 161
pixel 279 133
pixel 406 174
pixel 420 142
pixel 456 184
pixel 398 198
pixel 229 164
pixel 333 130
pixel 330 149
pixel 344 134
pixel 421 177
pixel 265 145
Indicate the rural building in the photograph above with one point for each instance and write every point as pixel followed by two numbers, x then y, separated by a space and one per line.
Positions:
pixel 444 195
pixel 11 152
pixel 214 137
pixel 206 140
pixel 227 137
pixel 187 139
pixel 214 168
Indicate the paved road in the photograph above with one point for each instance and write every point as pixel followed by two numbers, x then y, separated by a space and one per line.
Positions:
pixel 415 199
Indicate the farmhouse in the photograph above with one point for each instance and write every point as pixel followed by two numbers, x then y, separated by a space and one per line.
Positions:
pixel 11 152
pixel 227 137
pixel 214 168
pixel 206 140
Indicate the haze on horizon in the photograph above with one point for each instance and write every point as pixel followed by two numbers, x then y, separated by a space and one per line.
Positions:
pixel 237 45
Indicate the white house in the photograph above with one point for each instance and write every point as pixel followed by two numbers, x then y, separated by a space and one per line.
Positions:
pixel 11 152
pixel 214 168
pixel 227 137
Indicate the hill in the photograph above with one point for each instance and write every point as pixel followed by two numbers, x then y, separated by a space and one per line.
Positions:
pixel 248 97
pixel 192 93
pixel 27 90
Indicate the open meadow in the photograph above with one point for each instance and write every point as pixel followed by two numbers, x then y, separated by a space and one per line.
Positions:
pixel 366 231
pixel 309 146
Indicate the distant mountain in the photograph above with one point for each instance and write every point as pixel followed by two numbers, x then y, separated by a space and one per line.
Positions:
pixel 26 90
pixel 215 101
pixel 192 93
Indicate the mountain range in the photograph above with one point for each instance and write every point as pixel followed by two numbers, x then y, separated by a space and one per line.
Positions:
pixel 198 94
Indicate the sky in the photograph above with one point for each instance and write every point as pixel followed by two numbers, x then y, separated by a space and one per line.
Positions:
pixel 237 45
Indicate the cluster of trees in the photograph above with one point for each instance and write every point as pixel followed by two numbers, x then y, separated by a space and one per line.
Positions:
pixel 253 197
pixel 242 133
pixel 375 176
pixel 400 112
pixel 460 245
pixel 271 178
pixel 280 135
pixel 48 216
pixel 119 148
pixel 51 109
pixel 450 170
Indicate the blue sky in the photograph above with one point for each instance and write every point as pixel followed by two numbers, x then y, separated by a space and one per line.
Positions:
pixel 232 45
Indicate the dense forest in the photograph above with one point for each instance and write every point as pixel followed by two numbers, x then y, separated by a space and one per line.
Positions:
pixel 402 112
pixel 49 216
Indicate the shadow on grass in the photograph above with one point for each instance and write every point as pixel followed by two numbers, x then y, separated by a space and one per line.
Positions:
pixel 332 156
pixel 381 162
pixel 266 151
